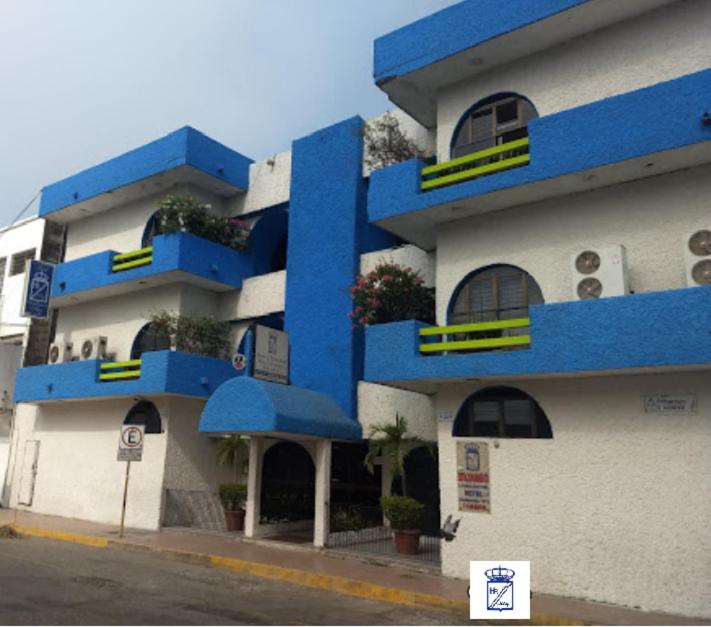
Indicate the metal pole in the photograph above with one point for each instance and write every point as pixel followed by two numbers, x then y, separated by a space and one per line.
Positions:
pixel 125 493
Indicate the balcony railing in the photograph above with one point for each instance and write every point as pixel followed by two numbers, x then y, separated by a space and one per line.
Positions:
pixel 120 370
pixel 133 259
pixel 487 343
pixel 504 157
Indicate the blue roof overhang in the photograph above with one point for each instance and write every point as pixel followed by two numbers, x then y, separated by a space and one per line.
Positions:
pixel 250 406
pixel 413 63
pixel 185 156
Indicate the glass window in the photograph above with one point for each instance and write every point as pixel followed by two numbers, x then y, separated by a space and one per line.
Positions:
pixel 149 340
pixel 19 260
pixel 145 413
pixel 501 412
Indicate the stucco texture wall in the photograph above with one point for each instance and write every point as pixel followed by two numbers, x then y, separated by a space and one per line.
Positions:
pixel 611 61
pixel 613 508
pixel 407 256
pixel 651 218
pixel 78 475
pixel 378 404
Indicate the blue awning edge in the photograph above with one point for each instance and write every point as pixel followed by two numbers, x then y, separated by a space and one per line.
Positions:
pixel 246 405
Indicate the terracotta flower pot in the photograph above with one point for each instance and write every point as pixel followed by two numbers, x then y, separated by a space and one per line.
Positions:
pixel 234 520
pixel 407 541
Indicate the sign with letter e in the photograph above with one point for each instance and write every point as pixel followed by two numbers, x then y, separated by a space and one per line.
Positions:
pixel 38 286
pixel 131 443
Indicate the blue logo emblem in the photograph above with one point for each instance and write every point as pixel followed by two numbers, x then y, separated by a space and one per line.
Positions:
pixel 499 589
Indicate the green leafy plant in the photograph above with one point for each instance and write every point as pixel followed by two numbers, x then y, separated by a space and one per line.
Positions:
pixel 201 335
pixel 391 442
pixel 8 532
pixel 229 450
pixel 403 512
pixel 390 293
pixel 385 143
pixel 184 213
pixel 232 496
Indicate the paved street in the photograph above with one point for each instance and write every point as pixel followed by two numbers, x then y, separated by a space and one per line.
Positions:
pixel 50 582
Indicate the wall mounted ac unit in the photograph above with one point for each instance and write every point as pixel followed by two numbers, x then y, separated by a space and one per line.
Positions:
pixel 60 352
pixel 600 272
pixel 698 258
pixel 93 348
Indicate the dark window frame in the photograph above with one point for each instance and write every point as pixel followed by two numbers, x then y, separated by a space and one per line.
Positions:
pixel 18 261
pixel 3 268
pixel 153 343
pixel 465 422
pixel 145 413
pixel 465 141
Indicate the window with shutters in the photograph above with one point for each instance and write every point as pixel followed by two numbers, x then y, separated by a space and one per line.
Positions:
pixel 148 340
pixel 493 122
pixel 19 260
pixel 495 293
pixel 501 412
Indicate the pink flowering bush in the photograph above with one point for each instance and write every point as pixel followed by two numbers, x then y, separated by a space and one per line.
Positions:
pixel 390 293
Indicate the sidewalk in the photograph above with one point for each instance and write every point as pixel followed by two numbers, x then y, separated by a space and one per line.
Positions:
pixel 326 570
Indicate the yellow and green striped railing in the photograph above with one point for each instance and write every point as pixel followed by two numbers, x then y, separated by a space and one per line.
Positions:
pixel 504 341
pixel 120 370
pixel 133 259
pixel 504 157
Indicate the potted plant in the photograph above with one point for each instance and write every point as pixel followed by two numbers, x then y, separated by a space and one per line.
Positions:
pixel 232 496
pixel 405 516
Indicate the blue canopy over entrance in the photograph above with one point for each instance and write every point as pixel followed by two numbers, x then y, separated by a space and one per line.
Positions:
pixel 246 405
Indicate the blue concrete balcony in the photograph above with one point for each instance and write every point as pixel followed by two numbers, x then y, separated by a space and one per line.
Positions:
pixel 642 133
pixel 655 331
pixel 177 257
pixel 155 373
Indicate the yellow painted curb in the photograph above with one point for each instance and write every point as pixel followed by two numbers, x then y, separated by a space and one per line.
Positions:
pixel 335 583
pixel 332 583
pixel 64 536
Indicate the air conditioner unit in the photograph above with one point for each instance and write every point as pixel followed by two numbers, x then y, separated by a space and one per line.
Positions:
pixel 600 272
pixel 93 348
pixel 60 352
pixel 698 258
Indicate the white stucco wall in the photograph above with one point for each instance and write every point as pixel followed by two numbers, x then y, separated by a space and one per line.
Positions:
pixel 407 256
pixel 78 475
pixel 259 296
pixel 121 228
pixel 378 404
pixel 269 184
pixel 654 47
pixel 651 218
pixel 614 508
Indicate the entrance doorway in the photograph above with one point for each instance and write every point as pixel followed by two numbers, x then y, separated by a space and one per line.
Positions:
pixel 288 492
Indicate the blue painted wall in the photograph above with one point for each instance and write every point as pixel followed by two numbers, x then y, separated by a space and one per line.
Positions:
pixel 186 146
pixel 651 330
pixel 250 406
pixel 326 219
pixel 178 251
pixel 601 133
pixel 455 29
pixel 162 372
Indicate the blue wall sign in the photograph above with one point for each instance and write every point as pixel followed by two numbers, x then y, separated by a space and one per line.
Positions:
pixel 37 290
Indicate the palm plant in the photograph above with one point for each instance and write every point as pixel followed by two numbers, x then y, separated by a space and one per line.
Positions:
pixel 391 442
pixel 227 451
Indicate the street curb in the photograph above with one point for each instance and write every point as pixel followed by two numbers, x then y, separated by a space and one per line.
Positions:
pixel 332 583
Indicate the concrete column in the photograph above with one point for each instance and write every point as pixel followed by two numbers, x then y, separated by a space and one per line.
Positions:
pixel 323 492
pixel 254 486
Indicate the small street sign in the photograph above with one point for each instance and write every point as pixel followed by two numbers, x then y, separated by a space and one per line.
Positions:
pixel 131 443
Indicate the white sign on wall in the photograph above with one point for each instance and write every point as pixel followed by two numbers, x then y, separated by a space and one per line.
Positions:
pixel 131 443
pixel 271 355
pixel 682 404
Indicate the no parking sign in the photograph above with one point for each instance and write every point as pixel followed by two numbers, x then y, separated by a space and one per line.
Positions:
pixel 131 443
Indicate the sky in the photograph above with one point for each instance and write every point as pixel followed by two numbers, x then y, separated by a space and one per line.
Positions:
pixel 82 81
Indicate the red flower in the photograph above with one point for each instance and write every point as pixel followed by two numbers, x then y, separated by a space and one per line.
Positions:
pixel 387 277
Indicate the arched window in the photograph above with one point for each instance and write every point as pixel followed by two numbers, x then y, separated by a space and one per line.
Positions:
pixel 147 340
pixel 497 120
pixel 499 292
pixel 501 412
pixel 144 413
pixel 152 229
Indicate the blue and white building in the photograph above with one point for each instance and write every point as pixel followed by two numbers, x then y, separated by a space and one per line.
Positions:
pixel 563 219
